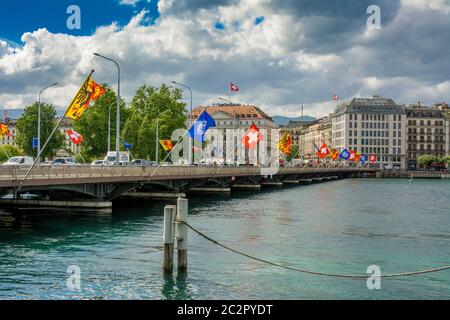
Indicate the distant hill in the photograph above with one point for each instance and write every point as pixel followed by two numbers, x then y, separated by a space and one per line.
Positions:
pixel 282 121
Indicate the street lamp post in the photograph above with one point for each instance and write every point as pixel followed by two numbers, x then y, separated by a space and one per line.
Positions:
pixel 109 126
pixel 118 107
pixel 39 117
pixel 190 118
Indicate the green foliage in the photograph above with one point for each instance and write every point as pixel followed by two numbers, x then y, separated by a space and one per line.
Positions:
pixel 93 125
pixel 147 105
pixel 445 159
pixel 7 151
pixel 426 160
pixel 27 129
pixel 294 153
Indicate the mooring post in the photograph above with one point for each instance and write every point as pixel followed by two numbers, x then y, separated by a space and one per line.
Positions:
pixel 181 233
pixel 169 237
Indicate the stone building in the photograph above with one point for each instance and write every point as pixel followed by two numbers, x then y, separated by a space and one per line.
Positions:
pixel 239 118
pixel 373 126
pixel 313 135
pixel 427 131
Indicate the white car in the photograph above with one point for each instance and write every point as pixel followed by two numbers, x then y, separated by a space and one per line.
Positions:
pixel 19 161
pixel 64 162
pixel 99 163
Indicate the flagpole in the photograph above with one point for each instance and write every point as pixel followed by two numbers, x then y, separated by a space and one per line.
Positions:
pixel 46 143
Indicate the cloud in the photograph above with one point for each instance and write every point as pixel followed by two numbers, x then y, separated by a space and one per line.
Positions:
pixel 131 2
pixel 302 51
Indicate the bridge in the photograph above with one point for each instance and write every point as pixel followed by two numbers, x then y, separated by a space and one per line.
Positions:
pixel 97 184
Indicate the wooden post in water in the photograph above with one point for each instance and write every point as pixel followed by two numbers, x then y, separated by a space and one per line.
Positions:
pixel 181 233
pixel 169 236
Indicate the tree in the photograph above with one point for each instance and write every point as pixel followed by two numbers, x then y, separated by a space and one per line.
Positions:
pixel 93 125
pixel 27 130
pixel 148 104
pixel 426 160
pixel 445 159
pixel 7 151
pixel 294 153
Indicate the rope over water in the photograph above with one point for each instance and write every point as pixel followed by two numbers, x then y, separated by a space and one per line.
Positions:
pixel 336 275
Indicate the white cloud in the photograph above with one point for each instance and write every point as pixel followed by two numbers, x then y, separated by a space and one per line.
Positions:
pixel 277 63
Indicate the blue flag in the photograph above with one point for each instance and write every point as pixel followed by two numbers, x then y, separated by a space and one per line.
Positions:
pixel 345 154
pixel 363 158
pixel 127 145
pixel 203 123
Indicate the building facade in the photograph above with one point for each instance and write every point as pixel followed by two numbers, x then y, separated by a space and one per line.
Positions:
pixel 426 133
pixel 373 126
pixel 294 129
pixel 238 118
pixel 314 135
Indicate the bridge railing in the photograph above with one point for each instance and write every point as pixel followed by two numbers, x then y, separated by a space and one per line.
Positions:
pixel 45 172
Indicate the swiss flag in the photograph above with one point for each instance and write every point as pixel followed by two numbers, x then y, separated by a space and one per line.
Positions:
pixel 234 88
pixel 352 156
pixel 323 151
pixel 75 136
pixel 373 158
pixel 252 137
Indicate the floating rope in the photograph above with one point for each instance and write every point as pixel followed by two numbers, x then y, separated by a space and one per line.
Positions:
pixel 336 275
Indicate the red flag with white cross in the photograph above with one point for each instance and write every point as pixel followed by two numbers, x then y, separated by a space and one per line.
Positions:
pixel 252 137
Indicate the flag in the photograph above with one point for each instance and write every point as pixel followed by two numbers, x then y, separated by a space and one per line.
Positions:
pixel 166 144
pixel 127 145
pixel 345 155
pixel 285 144
pixel 335 97
pixel 373 158
pixel 251 137
pixel 75 136
pixel 203 123
pixel 352 156
pixel 358 156
pixel 323 151
pixel 4 130
pixel 334 154
pixel 234 88
pixel 363 158
pixel 89 91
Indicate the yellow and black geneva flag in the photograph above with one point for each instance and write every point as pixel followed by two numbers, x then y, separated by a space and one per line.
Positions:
pixel 89 91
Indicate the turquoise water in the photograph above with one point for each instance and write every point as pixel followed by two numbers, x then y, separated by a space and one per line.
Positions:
pixel 340 227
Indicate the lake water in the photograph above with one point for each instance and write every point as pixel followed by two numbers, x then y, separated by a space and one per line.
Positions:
pixel 340 227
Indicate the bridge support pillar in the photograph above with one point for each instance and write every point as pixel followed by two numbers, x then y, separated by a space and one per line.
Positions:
pixel 181 233
pixel 169 236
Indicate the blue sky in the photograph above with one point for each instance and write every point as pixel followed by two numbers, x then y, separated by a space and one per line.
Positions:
pixel 18 17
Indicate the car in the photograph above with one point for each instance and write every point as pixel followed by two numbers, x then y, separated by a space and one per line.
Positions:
pixel 19 161
pixel 64 162
pixel 139 162
pixel 99 163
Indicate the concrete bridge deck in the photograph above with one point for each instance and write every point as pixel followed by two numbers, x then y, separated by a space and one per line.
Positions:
pixel 106 183
pixel 10 177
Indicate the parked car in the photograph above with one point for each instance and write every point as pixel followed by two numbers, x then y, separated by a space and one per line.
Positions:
pixel 19 161
pixel 64 162
pixel 139 162
pixel 99 163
